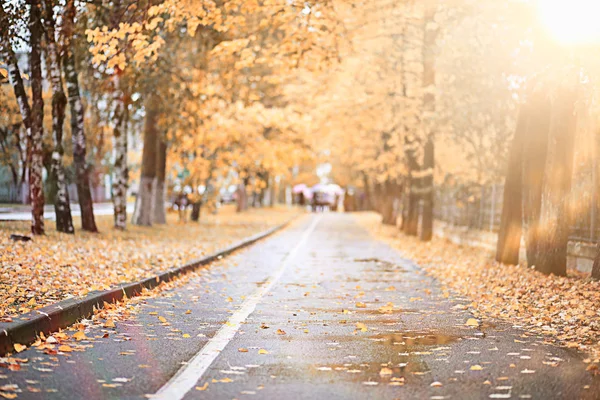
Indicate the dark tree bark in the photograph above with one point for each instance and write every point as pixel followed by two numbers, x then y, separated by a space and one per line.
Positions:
pixel 411 224
pixel 143 205
pixel 62 206
pixel 596 266
pixel 367 205
pixel 430 37
pixel 196 207
pixel 36 186
pixel 509 235
pixel 160 216
pixel 555 219
pixel 388 195
pixel 82 172
pixel 535 147
pixel 427 190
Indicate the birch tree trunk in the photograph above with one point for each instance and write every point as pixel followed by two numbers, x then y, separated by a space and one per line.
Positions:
pixel 62 206
pixel 554 217
pixel 142 214
pixel 16 81
pixel 82 172
pixel 120 169
pixel 160 216
pixel 36 185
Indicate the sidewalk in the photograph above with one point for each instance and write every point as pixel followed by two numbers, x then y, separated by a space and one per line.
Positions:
pixel 320 311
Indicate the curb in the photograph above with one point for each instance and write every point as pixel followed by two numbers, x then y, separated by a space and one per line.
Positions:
pixel 65 313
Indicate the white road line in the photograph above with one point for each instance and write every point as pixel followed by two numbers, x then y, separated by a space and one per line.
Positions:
pixel 185 379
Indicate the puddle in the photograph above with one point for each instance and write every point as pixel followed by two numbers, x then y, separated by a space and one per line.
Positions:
pixel 386 266
pixel 414 339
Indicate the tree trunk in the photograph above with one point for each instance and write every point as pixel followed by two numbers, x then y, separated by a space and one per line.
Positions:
pixel 596 266
pixel 16 81
pixel 411 225
pixel 196 207
pixel 82 173
pixel 427 190
pixel 62 206
pixel 430 33
pixel 36 185
pixel 120 169
pixel 368 203
pixel 509 235
pixel 535 148
pixel 555 220
pixel 160 216
pixel 143 206
pixel 387 204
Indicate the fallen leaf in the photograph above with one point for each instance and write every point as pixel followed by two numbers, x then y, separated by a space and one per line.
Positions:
pixel 361 326
pixel 65 348
pixel 263 351
pixel 203 387
pixel 19 347
pixel 472 322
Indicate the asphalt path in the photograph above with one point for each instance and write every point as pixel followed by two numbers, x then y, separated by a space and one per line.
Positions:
pixel 320 311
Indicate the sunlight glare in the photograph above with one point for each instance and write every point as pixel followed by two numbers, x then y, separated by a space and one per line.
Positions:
pixel 571 21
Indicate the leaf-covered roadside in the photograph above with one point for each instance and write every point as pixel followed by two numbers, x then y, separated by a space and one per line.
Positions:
pixel 58 266
pixel 564 309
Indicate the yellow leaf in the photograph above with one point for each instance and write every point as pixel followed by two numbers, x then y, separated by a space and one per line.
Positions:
pixel 386 371
pixel 109 324
pixel 162 319
pixel 79 335
pixel 203 387
pixel 472 322
pixel 263 351
pixel 361 326
pixel 280 332
pixel 19 347
pixel 186 335
pixel 476 368
pixel 65 348
pixel 361 305
pixel 188 312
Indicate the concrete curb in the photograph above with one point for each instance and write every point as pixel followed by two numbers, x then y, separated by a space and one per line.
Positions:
pixel 65 313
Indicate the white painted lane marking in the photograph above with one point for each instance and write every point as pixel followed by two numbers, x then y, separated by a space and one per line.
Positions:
pixel 185 379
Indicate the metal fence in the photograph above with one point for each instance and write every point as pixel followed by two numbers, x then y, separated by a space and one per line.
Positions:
pixel 13 194
pixel 480 207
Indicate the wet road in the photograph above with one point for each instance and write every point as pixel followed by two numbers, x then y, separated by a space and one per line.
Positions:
pixel 322 311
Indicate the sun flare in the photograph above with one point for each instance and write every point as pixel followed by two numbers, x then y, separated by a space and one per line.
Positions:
pixel 571 21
